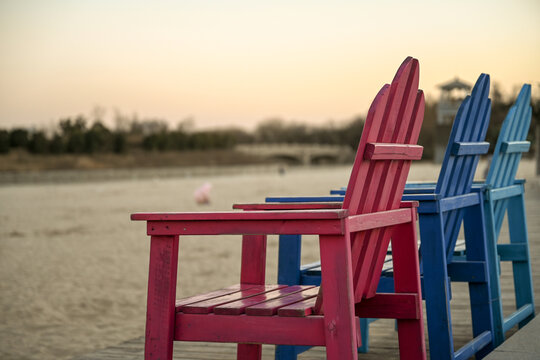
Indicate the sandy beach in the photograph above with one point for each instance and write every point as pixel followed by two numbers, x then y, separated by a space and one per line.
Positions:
pixel 73 267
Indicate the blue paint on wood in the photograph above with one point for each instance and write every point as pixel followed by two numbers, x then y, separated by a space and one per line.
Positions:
pixel 520 315
pixel 509 147
pixel 469 148
pixel 513 252
pixel 468 271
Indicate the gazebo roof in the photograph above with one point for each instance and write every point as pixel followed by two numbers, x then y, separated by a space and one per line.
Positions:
pixel 455 84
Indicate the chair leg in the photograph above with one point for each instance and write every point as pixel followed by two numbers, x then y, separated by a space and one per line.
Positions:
pixel 338 299
pixel 521 269
pixel 286 352
pixel 480 296
pixel 290 247
pixel 249 352
pixel 412 344
pixel 441 344
pixel 493 269
pixel 161 298
pixel 364 331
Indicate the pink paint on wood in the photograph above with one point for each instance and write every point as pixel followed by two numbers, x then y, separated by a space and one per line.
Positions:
pixel 271 307
pixel 210 295
pixel 412 344
pixel 389 306
pixel 338 306
pixel 161 297
pixel 206 306
pixel 253 267
pixel 379 219
pixel 248 352
pixel 302 308
pixel 382 151
pixel 243 215
pixel 251 329
pixel 238 307
pixel 248 227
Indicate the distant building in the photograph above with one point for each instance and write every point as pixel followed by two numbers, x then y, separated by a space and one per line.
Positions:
pixel 452 94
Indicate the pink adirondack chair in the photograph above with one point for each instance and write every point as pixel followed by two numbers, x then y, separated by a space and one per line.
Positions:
pixel 353 243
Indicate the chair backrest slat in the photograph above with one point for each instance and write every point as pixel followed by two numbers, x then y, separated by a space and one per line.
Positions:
pixel 465 145
pixel 377 181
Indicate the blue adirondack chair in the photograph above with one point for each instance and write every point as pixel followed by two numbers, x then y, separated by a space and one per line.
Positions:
pixel 442 211
pixel 504 194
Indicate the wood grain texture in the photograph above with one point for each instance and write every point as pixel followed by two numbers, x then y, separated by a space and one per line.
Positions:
pixel 253 268
pixel 161 297
pixel 381 151
pixel 206 306
pixel 239 307
pixel 271 307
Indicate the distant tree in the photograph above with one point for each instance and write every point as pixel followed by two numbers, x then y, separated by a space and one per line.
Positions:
pixel 350 133
pixel 18 138
pixel 4 141
pixel 98 138
pixel 427 131
pixel 73 132
pixel 38 143
pixel 119 142
pixel 56 145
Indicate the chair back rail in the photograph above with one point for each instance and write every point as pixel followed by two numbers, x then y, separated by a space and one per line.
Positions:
pixel 465 145
pixel 511 143
pixel 385 151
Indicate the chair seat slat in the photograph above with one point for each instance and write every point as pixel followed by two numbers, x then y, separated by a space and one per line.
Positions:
pixel 206 306
pixel 210 295
pixel 271 307
pixel 238 307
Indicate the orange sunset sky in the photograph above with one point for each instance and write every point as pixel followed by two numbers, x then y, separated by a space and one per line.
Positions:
pixel 227 63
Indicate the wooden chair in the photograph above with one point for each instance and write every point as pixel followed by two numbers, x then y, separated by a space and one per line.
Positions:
pixel 503 194
pixel 353 242
pixel 442 209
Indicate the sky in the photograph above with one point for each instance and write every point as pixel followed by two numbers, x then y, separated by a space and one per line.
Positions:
pixel 236 63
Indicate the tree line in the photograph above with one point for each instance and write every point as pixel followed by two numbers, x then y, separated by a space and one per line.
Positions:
pixel 81 135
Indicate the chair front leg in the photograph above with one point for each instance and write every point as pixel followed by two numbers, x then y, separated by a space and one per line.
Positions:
pixel 480 295
pixel 517 221
pixel 160 314
pixel 493 266
pixel 436 287
pixel 412 344
pixel 338 294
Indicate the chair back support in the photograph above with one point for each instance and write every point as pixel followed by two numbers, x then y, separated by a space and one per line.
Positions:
pixel 381 166
pixel 465 145
pixel 511 143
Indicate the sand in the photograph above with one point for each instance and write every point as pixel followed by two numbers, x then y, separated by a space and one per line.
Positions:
pixel 73 267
